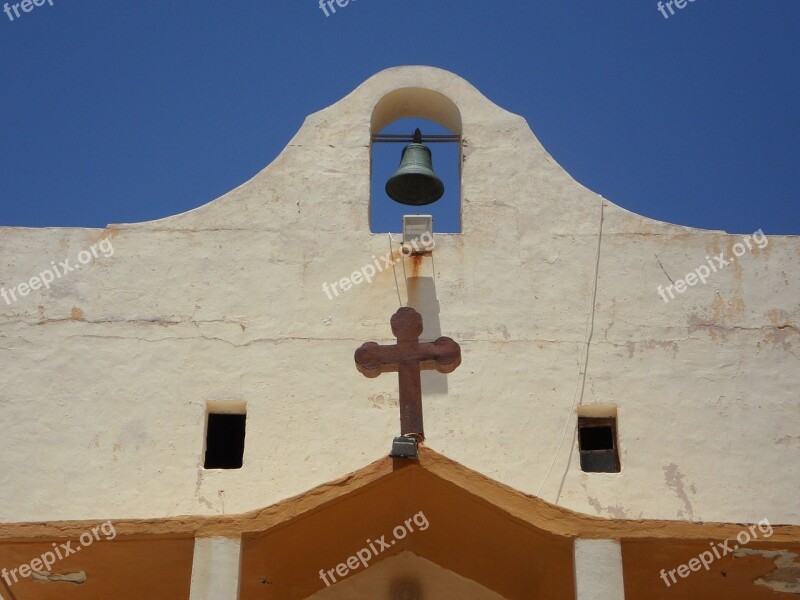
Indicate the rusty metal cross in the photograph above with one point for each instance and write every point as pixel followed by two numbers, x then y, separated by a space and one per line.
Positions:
pixel 408 357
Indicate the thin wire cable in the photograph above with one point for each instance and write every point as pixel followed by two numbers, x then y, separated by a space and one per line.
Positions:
pixel 405 276
pixel 580 384
pixel 586 362
pixel 402 258
pixel 396 285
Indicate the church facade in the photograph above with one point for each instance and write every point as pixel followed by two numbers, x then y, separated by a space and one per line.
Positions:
pixel 609 402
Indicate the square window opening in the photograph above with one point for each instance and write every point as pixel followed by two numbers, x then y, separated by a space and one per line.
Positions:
pixel 225 434
pixel 597 442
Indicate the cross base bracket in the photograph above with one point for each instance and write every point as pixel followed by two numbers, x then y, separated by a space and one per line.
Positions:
pixel 404 446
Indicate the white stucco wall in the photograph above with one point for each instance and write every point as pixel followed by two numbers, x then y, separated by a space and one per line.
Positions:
pixel 106 375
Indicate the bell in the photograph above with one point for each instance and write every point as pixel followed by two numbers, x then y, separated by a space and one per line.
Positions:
pixel 414 182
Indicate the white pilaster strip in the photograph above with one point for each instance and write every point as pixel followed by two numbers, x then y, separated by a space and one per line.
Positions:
pixel 598 570
pixel 215 568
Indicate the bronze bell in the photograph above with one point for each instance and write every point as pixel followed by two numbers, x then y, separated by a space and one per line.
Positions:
pixel 414 182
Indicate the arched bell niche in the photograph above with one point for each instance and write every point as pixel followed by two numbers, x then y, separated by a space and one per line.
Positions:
pixel 394 119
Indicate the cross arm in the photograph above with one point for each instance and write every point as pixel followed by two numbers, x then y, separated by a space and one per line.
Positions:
pixel 443 355
pixel 372 359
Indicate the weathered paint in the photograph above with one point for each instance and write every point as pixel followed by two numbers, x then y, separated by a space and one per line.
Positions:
pixel 106 375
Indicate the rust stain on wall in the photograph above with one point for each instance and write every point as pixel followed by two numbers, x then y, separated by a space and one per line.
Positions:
pixel 416 263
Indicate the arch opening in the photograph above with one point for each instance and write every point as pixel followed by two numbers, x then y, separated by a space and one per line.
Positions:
pixel 401 112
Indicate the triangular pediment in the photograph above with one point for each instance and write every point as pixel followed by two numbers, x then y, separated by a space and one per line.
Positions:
pixel 409 509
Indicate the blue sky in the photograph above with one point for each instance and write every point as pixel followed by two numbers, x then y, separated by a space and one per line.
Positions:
pixel 129 111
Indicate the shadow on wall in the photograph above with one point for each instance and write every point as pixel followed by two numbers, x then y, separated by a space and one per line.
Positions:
pixel 422 298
